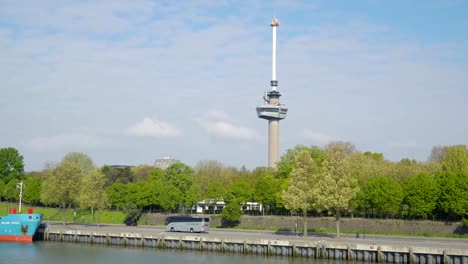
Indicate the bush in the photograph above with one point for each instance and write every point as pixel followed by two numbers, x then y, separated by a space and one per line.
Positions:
pixel 231 214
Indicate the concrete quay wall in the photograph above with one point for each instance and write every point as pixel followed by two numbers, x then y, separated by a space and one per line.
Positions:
pixel 359 225
pixel 319 249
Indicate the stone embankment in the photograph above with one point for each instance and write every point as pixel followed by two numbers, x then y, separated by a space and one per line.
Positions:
pixel 359 225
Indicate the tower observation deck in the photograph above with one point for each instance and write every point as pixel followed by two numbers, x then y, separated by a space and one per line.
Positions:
pixel 272 109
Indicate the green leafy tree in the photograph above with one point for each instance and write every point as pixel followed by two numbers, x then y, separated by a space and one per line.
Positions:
pixel 32 190
pixel 238 192
pixel 92 192
pixel 453 198
pixel 266 190
pixel 180 176
pixel 169 197
pixel 11 192
pixel 298 196
pixel 62 186
pixel 336 187
pixel 382 195
pixel 145 195
pixel 11 165
pixel 193 196
pixel 117 194
pixel 214 193
pixel 421 193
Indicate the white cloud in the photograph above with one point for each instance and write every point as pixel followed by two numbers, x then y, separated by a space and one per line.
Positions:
pixel 219 124
pixel 317 137
pixel 153 128
pixel 64 141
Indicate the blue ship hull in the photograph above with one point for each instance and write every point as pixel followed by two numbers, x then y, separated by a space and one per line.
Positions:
pixel 19 227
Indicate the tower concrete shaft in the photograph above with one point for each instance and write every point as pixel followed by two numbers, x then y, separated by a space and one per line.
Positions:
pixel 272 109
pixel 273 143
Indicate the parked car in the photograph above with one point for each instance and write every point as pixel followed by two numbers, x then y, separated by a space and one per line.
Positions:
pixel 131 222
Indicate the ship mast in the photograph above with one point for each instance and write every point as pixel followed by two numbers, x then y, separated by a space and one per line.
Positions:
pixel 20 195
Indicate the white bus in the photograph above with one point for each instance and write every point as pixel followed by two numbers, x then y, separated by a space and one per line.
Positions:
pixel 187 224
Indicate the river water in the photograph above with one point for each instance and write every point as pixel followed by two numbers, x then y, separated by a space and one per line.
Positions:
pixel 42 252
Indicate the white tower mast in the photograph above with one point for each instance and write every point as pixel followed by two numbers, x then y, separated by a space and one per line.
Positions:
pixel 272 109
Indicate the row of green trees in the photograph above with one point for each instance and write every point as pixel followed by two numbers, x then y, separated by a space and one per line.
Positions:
pixel 334 180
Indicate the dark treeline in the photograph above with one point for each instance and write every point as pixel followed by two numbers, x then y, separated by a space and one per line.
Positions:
pixel 334 180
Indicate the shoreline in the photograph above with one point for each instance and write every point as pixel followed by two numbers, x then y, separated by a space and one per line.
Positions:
pixel 317 246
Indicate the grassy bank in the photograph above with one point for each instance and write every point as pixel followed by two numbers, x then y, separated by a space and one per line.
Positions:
pixel 82 215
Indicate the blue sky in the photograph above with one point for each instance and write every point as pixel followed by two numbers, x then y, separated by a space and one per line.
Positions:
pixel 128 82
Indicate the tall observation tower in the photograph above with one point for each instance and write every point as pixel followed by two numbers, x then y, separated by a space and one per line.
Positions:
pixel 271 109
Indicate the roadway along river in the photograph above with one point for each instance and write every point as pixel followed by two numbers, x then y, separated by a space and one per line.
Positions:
pixel 400 241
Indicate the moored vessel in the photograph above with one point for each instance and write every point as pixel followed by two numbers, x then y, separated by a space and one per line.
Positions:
pixel 17 226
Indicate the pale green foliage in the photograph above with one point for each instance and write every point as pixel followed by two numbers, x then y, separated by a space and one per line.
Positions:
pixel 84 162
pixel 297 197
pixel 364 166
pixel 62 186
pixel 455 159
pixel 208 173
pixel 141 172
pixel 300 194
pixel 287 161
pixel 336 187
pixel 92 193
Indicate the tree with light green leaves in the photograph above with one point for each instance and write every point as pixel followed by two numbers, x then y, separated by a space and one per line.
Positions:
pixel 300 194
pixel 62 186
pixel 287 160
pixel 92 193
pixel 81 160
pixel 455 159
pixel 336 187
